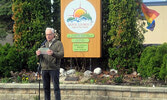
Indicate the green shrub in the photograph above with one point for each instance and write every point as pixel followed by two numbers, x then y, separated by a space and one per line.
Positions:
pixel 9 60
pixel 163 70
pixel 14 59
pixel 118 79
pixel 144 67
pixel 153 62
pixel 32 59
pixel 6 80
pixel 18 79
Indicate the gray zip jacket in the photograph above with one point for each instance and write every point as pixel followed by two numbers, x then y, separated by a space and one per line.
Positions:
pixel 52 62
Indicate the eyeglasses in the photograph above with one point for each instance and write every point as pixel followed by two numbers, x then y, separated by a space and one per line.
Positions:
pixel 49 34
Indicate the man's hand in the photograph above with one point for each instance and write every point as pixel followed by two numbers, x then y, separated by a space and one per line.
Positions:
pixel 38 52
pixel 50 52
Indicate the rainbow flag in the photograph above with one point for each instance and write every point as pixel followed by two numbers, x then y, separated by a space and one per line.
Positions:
pixel 150 16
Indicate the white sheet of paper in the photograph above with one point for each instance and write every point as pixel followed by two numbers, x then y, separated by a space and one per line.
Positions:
pixel 43 50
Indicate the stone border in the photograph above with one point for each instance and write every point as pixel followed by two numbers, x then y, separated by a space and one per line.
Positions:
pixel 88 87
pixel 16 91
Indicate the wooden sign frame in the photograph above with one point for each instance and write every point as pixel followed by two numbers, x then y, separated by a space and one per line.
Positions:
pixel 81 28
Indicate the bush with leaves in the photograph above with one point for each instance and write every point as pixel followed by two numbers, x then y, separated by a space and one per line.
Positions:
pixel 10 60
pixel 163 70
pixel 30 21
pixel 153 62
pixel 145 67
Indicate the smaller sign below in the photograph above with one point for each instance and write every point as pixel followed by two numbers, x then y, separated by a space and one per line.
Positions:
pixel 80 40
pixel 89 35
pixel 80 47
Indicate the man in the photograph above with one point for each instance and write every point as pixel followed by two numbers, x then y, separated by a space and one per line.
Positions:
pixel 50 63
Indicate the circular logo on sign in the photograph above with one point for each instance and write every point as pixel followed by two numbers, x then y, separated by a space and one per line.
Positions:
pixel 79 16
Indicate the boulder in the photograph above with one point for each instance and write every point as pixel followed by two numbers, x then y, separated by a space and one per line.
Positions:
pixel 113 72
pixel 87 73
pixel 71 71
pixel 97 70
pixel 62 72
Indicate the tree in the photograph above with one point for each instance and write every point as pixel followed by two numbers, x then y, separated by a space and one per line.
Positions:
pixel 31 17
pixel 5 18
pixel 125 35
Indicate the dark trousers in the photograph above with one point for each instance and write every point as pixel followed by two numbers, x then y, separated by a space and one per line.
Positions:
pixel 47 76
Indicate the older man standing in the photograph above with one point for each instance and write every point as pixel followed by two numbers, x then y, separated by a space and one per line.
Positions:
pixel 50 63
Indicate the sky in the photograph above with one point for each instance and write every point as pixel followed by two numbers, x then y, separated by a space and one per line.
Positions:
pixel 153 0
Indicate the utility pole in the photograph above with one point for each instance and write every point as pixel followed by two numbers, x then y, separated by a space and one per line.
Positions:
pixel 51 9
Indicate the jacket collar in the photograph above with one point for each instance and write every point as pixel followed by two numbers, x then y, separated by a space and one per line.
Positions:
pixel 52 41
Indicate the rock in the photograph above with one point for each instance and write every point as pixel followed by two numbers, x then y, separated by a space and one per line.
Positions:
pixel 71 78
pixel 14 74
pixel 62 72
pixel 106 75
pixel 71 71
pixel 97 71
pixel 87 73
pixel 134 73
pixel 84 79
pixel 113 72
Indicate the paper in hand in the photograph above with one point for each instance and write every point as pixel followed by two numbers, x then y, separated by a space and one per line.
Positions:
pixel 43 50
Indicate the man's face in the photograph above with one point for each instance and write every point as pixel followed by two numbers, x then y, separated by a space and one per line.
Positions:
pixel 49 35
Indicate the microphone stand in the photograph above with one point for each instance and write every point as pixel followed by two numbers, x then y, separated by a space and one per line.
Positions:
pixel 39 67
pixel 39 73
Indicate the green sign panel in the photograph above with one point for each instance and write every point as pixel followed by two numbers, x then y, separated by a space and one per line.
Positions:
pixel 80 47
pixel 80 40
pixel 89 35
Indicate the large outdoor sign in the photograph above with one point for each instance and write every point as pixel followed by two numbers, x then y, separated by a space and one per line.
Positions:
pixel 81 28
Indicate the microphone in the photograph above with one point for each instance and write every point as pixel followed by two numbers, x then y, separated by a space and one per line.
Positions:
pixel 43 44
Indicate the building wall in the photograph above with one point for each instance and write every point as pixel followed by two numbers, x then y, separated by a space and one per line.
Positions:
pixel 8 39
pixel 159 35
